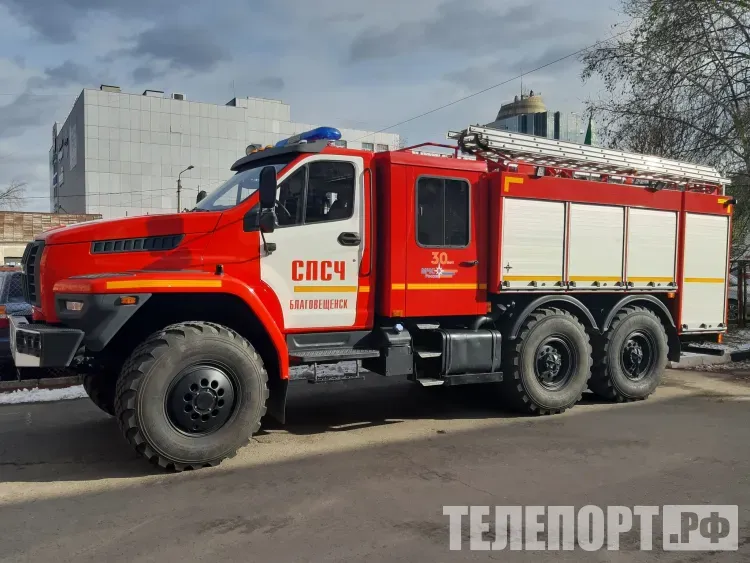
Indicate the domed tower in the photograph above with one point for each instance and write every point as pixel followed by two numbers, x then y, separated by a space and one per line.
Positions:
pixel 522 105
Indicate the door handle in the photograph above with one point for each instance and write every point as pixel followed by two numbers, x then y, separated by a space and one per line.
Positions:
pixel 349 239
pixel 470 264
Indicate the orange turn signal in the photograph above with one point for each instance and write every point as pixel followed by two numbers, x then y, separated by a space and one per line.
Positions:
pixel 671 295
pixel 129 300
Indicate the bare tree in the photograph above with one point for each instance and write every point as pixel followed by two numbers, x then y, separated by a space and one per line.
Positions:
pixel 13 195
pixel 678 85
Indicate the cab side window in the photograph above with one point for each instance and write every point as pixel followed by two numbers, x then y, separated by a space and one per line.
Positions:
pixel 443 212
pixel 291 202
pixel 330 191
pixel 321 191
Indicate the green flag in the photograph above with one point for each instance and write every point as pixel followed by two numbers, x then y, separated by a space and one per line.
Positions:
pixel 590 132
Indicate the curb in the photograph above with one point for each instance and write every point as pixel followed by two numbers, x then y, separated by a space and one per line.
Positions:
pixel 691 360
pixel 740 355
pixel 50 383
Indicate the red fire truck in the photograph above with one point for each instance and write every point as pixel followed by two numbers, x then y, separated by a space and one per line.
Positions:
pixel 536 267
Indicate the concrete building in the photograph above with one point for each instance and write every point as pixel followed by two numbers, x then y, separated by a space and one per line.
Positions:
pixel 528 114
pixel 17 229
pixel 120 154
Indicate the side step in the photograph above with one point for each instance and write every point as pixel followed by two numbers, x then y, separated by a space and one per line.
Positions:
pixel 466 379
pixel 332 355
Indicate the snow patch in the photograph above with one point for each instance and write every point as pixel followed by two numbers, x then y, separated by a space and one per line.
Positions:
pixel 37 395
pixel 334 369
pixel 735 340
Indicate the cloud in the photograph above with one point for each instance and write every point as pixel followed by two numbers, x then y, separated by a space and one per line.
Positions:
pixel 459 25
pixel 343 65
pixel 144 74
pixel 58 21
pixel 343 17
pixel 25 111
pixel 182 48
pixel 503 68
pixel 270 83
pixel 64 75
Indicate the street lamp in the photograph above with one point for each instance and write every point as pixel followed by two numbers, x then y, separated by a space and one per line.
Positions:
pixel 179 185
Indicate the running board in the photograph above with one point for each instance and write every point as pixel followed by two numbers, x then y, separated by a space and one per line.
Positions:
pixel 465 379
pixel 332 355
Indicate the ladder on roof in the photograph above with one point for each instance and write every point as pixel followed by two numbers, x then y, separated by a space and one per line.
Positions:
pixel 494 144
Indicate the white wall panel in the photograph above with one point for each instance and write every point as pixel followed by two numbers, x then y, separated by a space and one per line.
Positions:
pixel 652 244
pixel 533 240
pixel 704 284
pixel 597 244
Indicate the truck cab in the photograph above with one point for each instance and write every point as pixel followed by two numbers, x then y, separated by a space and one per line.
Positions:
pixel 447 270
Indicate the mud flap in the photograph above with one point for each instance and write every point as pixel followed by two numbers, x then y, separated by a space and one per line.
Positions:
pixel 276 405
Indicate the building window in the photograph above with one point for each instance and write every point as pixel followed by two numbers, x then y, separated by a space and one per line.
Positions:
pixel 443 212
pixel 381 148
pixel 321 191
pixel 368 147
pixel 342 143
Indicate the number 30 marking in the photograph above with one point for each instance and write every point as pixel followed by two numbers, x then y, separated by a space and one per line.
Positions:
pixel 440 258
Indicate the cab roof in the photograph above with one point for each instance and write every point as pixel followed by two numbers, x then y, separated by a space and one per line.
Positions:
pixel 267 154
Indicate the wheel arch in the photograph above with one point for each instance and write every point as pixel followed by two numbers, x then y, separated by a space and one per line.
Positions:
pixel 242 311
pixel 564 302
pixel 657 307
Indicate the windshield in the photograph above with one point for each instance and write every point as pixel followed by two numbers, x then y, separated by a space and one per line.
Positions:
pixel 237 189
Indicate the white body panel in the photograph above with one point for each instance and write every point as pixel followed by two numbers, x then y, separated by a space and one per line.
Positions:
pixel 533 244
pixel 652 248
pixel 704 285
pixel 595 255
pixel 317 303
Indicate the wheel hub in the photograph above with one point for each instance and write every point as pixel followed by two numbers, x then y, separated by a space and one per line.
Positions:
pixel 638 356
pixel 554 363
pixel 201 400
pixel 635 353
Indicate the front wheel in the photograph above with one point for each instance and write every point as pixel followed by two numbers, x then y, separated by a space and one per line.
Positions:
pixel 100 387
pixel 191 395
pixel 631 358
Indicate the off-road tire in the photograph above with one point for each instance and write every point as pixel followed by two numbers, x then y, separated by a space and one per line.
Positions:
pixel 100 387
pixel 149 373
pixel 609 381
pixel 521 389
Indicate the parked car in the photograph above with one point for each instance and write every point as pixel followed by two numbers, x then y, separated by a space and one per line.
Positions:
pixel 12 302
pixel 733 299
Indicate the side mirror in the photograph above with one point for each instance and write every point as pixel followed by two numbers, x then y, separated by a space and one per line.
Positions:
pixel 267 187
pixel 201 196
pixel 267 221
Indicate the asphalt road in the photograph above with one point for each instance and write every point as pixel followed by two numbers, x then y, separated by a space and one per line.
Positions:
pixel 362 472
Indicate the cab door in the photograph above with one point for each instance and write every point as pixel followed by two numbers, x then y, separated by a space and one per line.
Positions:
pixel 319 240
pixel 444 272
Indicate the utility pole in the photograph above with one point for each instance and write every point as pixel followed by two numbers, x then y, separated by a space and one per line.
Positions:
pixel 179 185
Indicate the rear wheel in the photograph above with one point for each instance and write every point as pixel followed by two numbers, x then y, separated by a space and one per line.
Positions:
pixel 191 395
pixel 548 366
pixel 100 388
pixel 631 357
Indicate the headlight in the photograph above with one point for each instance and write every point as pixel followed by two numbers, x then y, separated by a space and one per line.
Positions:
pixel 74 305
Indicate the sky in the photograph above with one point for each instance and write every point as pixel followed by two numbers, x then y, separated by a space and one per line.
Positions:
pixel 354 63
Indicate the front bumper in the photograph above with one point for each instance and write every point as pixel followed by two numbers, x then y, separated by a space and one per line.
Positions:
pixel 41 345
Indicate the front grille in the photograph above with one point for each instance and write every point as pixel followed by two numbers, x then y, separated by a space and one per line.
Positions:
pixel 146 244
pixel 32 258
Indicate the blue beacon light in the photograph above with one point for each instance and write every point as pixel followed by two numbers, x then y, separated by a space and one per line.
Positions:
pixel 319 134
